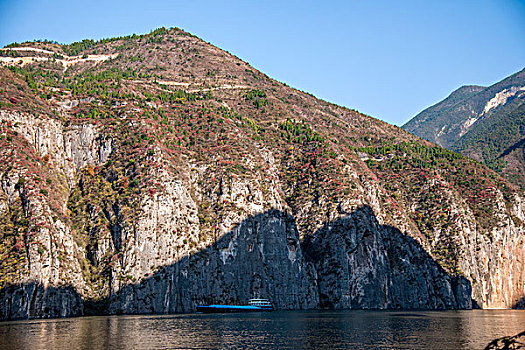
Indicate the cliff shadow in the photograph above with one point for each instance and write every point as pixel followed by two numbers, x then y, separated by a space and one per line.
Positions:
pixel 353 262
pixel 34 300
pixel 520 304
pixel 509 150
pixel 363 264
pixel 258 258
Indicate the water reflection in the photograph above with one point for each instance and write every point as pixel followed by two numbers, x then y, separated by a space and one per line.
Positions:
pixel 276 330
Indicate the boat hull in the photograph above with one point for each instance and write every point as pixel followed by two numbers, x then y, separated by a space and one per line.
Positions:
pixel 213 309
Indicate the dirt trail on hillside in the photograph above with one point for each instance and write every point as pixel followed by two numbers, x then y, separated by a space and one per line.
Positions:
pixel 66 61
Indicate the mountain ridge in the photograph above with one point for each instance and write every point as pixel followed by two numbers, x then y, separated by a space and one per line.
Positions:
pixel 134 154
pixel 483 125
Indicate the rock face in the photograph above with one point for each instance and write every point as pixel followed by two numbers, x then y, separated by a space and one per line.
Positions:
pixel 258 258
pixel 362 264
pixel 36 301
pixel 263 257
pixel 120 194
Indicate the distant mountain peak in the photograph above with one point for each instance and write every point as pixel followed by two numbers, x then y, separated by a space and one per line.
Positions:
pixel 481 122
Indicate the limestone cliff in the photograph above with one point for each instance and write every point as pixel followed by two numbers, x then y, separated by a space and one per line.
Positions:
pixel 170 174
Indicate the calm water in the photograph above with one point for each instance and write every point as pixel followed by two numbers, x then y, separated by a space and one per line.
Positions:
pixel 275 330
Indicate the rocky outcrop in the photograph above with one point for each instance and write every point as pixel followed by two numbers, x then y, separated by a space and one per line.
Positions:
pixel 380 268
pixel 33 300
pixel 500 255
pixel 261 257
pixel 69 148
pixel 362 264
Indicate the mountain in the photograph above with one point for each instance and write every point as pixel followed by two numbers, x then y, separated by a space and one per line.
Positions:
pixel 152 173
pixel 485 123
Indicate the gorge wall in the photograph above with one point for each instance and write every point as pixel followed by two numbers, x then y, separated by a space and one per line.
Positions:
pixel 122 195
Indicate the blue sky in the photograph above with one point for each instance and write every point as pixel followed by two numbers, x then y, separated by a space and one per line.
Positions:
pixel 389 59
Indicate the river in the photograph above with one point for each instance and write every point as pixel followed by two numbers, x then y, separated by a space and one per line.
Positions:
pixel 273 330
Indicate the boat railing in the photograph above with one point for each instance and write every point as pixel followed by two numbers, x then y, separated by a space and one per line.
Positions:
pixel 260 302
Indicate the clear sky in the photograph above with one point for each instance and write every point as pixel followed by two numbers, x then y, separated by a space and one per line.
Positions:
pixel 389 59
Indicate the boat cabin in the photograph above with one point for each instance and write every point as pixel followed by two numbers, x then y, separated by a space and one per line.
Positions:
pixel 262 303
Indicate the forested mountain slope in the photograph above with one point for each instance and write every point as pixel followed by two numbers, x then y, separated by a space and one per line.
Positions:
pixel 153 173
pixel 487 124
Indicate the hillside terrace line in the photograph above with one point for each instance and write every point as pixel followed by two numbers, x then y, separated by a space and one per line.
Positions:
pixel 68 61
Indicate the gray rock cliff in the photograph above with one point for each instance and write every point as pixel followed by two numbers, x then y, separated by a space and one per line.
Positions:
pixel 169 174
